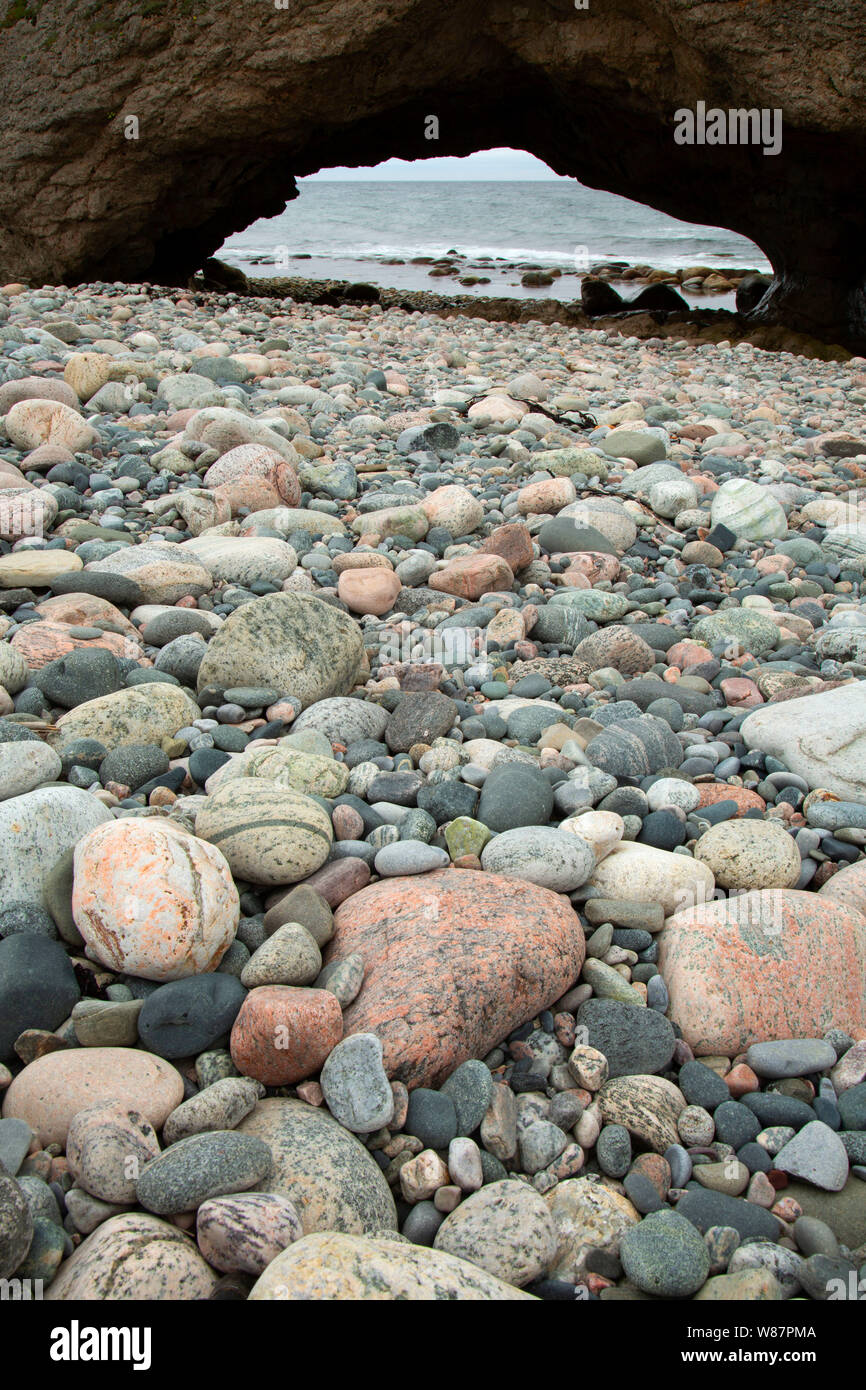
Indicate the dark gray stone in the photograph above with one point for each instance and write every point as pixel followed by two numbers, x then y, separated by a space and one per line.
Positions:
pixel 636 1042
pixel 83 674
pixel 431 1117
pixel 514 795
pixel 186 1017
pixel 38 988
pixel 202 1166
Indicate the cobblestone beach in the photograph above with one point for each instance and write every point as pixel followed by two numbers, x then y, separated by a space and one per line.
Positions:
pixel 432 807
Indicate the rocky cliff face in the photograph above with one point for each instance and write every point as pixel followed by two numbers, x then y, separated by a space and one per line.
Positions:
pixel 235 98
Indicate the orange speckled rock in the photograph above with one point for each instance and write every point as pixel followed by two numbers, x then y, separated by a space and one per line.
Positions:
pixel 848 886
pixel 83 610
pixel 574 579
pixel 746 800
pixel 470 576
pixel 454 961
pixel 769 964
pixel 594 564
pixel 152 900
pixel 54 1087
pixel 687 653
pixel 283 1034
pixel 40 643
pixel 135 1256
pixel 512 543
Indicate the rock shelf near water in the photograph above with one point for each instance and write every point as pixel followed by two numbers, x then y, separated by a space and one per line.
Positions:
pixel 432 807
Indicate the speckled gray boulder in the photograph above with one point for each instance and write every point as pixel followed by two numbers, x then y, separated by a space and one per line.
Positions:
pixel 333 1181
pixel 334 1267
pixel 291 642
pixel 665 1256
pixel 202 1166
pixel 36 829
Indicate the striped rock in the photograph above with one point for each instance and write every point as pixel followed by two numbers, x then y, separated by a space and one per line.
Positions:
pixel 764 965
pixel 36 830
pixel 454 961
pixel 39 643
pixel 291 643
pixel 13 667
pixel 309 773
pixel 162 574
pixel 340 1268
pixel 242 1233
pixel 26 511
pixel 152 900
pixel 139 714
pixel 647 1106
pixel 749 510
pixel 135 1256
pixel 847 542
pixel 268 834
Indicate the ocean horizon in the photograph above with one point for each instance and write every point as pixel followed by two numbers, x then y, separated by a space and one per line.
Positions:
pixel 351 229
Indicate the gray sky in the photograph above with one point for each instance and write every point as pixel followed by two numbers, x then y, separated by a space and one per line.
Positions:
pixel 484 165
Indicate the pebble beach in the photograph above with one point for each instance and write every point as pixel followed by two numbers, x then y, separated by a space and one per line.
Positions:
pixel 432 807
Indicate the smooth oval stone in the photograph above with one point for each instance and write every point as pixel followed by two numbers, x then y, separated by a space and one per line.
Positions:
pixel 185 1017
pixel 53 1088
pixel 550 858
pixel 355 1086
pixel 268 834
pixel 665 1255
pixel 202 1166
pixel 242 1233
pixel 332 1180
pixel 634 1041
pixel 792 1057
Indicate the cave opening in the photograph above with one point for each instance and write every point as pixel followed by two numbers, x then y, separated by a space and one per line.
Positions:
pixel 498 222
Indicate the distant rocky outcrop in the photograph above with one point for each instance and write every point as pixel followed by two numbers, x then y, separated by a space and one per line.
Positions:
pixel 138 135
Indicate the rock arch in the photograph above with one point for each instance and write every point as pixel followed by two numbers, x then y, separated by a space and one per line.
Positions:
pixel 237 98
